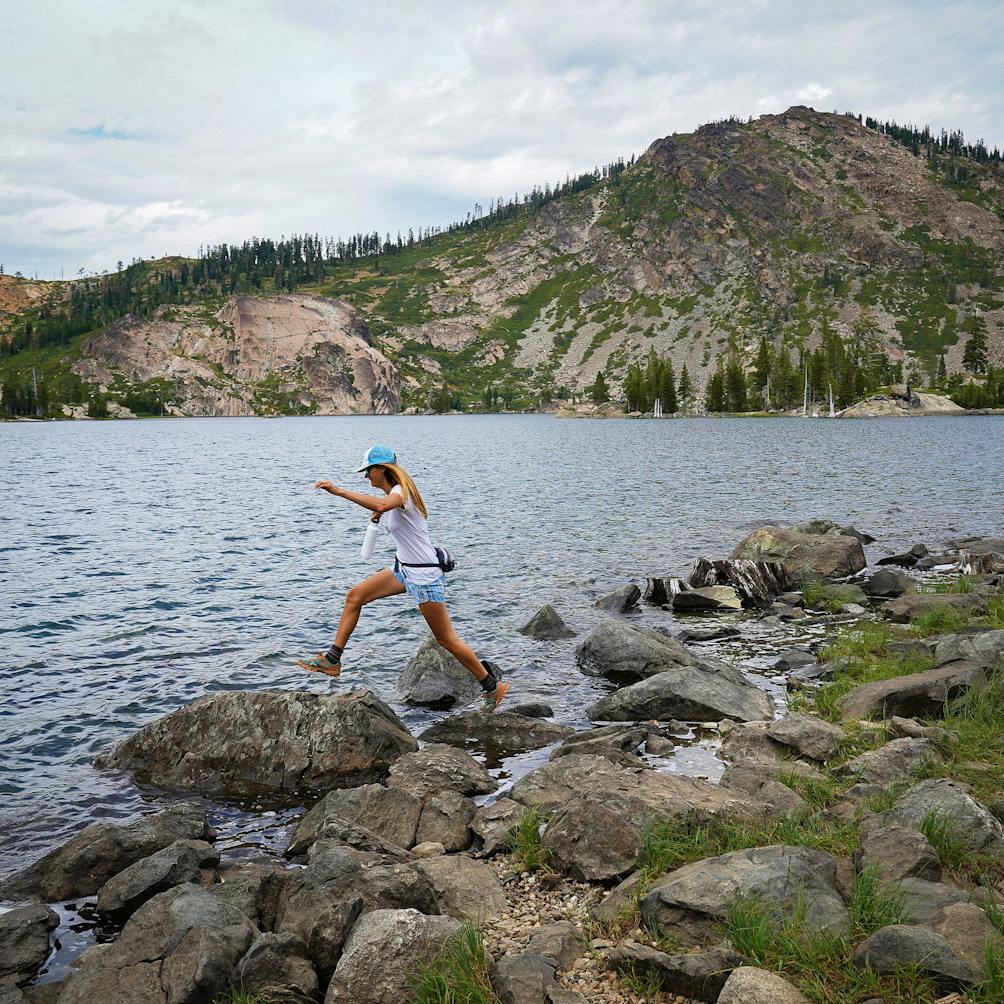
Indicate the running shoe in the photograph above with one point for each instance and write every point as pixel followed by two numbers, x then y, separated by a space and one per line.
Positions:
pixel 320 663
pixel 493 698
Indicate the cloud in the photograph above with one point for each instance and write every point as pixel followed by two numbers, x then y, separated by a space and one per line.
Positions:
pixel 160 129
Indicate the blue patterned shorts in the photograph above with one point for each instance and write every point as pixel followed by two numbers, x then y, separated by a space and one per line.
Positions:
pixel 432 592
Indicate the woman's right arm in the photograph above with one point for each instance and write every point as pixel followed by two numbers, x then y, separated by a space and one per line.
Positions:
pixel 371 502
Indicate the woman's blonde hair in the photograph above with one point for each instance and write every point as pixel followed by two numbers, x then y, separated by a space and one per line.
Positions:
pixel 409 490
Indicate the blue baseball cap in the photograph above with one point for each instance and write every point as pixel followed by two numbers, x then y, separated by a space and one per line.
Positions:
pixel 377 455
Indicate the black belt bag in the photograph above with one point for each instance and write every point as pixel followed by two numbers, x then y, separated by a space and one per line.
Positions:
pixel 445 563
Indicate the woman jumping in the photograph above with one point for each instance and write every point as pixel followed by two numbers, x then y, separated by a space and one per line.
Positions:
pixel 416 571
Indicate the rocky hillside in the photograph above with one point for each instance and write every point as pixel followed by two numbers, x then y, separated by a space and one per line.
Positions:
pixel 285 354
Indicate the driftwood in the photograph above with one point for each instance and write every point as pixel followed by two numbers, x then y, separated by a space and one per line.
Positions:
pixel 756 582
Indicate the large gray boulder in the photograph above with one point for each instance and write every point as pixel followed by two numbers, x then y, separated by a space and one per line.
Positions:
pixel 384 954
pixel 24 942
pixel 895 761
pixel 969 932
pixel 178 948
pixel 923 900
pixel 90 858
pixel 974 825
pixel 436 679
pixel 178 863
pixel 888 583
pixel 446 819
pixel 617 648
pixel 897 852
pixel 755 582
pixel 985 648
pixel 917 695
pixel 699 975
pixel 268 741
pixel 691 900
pixel 438 767
pixel 904 609
pixel 691 693
pixel 252 887
pixel 748 985
pixel 493 824
pixel 501 734
pixel 546 625
pixel 809 737
pixel 827 555
pixel 277 967
pixel 899 945
pixel 465 888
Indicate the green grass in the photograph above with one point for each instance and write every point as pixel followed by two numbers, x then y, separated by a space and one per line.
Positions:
pixel 940 620
pixel 819 792
pixel 958 584
pixel 235 996
pixel 828 595
pixel 525 841
pixel 875 903
pixel 459 975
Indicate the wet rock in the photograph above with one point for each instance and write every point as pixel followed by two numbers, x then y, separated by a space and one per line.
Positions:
pixel 701 975
pixel 24 942
pixel 809 676
pixel 660 592
pixel 501 734
pixel 276 966
pixel 761 786
pixel 616 648
pixel 904 609
pixel 524 979
pixel 898 852
pixel 465 888
pixel 890 582
pixel 969 932
pixel 985 648
pixel 89 859
pixel 546 625
pixel 620 601
pixel 178 948
pixel 656 745
pixel 810 737
pixel 437 768
pixel 180 862
pixel 384 951
pixel 691 693
pixel 693 899
pixel 707 598
pixel 560 940
pixel 276 741
pixel 715 633
pixel 917 695
pixel 748 985
pixel 895 761
pixel 253 888
pixel 435 679
pixel 391 814
pixel 618 739
pixel 827 555
pixel 493 824
pixel 532 709
pixel 899 945
pixel 446 819
pixel 756 583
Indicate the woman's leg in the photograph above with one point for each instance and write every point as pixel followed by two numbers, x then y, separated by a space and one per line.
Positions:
pixel 376 587
pixel 438 619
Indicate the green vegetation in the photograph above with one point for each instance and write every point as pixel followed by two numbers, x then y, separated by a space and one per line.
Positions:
pixel 831 596
pixel 243 997
pixel 459 975
pixel 525 841
pixel 874 903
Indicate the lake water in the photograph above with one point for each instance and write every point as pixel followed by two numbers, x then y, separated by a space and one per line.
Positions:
pixel 143 564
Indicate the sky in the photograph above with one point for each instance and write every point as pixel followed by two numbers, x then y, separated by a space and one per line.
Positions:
pixel 140 129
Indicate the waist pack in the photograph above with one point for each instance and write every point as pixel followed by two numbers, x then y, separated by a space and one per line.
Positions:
pixel 446 562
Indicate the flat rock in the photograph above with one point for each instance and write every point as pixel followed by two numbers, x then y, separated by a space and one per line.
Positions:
pixel 895 761
pixel 465 888
pixel 620 601
pixel 546 625
pixel 384 952
pixel 90 858
pixel 899 945
pixel 438 767
pixel 446 819
pixel 560 940
pixel 435 679
pixel 831 556
pixel 793 658
pixel 890 583
pixel 985 648
pixel 617 648
pixel 904 609
pixel 24 942
pixel 622 739
pixel 179 862
pixel 707 598
pixel 898 852
pixel 242 742
pixel 748 985
pixel 974 824
pixel 807 736
pixel 493 824
pixel 719 631
pixel 501 734
pixel 917 695
pixel 689 693
pixel 532 709
pixel 761 785
pixel 701 975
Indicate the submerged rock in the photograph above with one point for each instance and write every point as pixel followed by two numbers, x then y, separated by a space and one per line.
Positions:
pixel 436 679
pixel 501 734
pixel 828 555
pixel 620 601
pixel 546 625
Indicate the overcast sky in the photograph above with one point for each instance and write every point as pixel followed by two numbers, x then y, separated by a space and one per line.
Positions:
pixel 141 129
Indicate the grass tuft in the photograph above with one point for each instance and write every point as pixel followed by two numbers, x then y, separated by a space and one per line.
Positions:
pixel 459 975
pixel 875 903
pixel 525 841
pixel 830 596
pixel 242 996
pixel 940 620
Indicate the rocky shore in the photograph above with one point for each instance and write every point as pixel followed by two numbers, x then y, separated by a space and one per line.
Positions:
pixel 852 849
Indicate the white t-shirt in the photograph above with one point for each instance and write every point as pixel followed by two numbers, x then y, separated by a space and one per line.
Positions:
pixel 410 530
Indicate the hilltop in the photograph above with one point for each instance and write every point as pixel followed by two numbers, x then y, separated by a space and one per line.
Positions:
pixel 795 233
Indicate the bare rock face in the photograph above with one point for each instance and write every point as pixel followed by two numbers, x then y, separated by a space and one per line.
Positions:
pixel 253 356
pixel 269 741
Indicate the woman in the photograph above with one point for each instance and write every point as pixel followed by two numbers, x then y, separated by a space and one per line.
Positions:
pixel 416 571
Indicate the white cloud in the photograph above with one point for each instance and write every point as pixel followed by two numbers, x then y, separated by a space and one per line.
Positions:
pixel 159 129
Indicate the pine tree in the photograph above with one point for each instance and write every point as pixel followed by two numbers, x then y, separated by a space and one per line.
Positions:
pixel 974 357
pixel 686 391
pixel 599 391
pixel 714 398
pixel 942 378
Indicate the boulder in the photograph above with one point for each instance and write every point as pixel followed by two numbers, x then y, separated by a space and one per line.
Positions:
pixel 617 648
pixel 761 786
pixel 502 734
pixel 895 761
pixel 890 583
pixel 906 559
pixel 253 888
pixel 611 741
pixel 791 659
pixel 438 767
pixel 240 742
pixel 390 814
pixel 620 601
pixel 178 948
pixel 748 985
pixel 546 625
pixel 910 728
pixel 707 598
pixel 828 526
pixel 756 583
pixel 691 693
pixel 428 849
pixel 898 852
pixel 969 932
pixel 748 744
pixel 532 709
pixel 693 899
pixel 832 556
pixel 328 932
pixel 435 679
pixel 592 840
pixel 620 907
pixel 276 966
pixel 923 900
pixel 90 858
pixel 24 942
pixel 974 824
pixel 714 633
pixel 493 824
pixel 985 648
pixel 905 609
pixel 899 945
pixel 446 819
pixel 180 862
pixel 917 695
pixel 524 979
pixel 383 954
pixel 465 888
pixel 560 940
pixel 809 737
pixel 701 975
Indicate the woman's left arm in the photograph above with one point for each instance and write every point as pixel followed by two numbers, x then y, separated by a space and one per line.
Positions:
pixel 371 502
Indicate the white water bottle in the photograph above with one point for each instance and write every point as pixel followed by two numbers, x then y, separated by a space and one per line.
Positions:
pixel 369 541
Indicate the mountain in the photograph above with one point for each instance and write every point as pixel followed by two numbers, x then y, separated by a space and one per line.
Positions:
pixel 806 235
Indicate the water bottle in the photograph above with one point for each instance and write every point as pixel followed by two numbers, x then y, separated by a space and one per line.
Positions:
pixel 369 541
